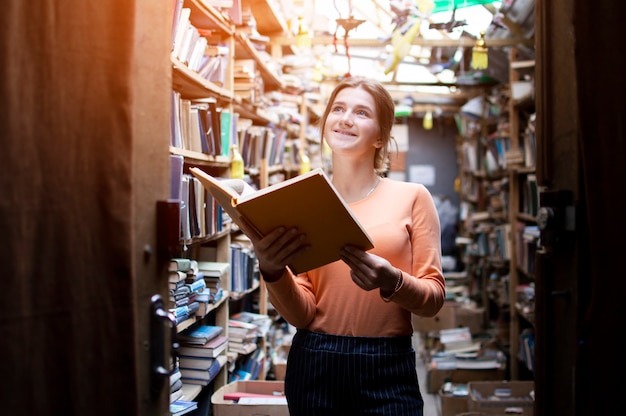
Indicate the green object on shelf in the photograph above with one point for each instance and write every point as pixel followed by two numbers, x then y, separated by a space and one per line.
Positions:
pixel 448 5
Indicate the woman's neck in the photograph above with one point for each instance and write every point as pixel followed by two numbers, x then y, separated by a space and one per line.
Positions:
pixel 356 183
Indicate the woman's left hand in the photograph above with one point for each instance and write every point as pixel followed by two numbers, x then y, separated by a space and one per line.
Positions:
pixel 369 271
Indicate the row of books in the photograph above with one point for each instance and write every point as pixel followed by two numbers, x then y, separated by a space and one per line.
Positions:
pixel 200 215
pixel 261 142
pixel 197 48
pixel 527 242
pixel 244 266
pixel 201 126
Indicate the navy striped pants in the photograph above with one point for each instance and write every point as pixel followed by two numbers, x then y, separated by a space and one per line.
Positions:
pixel 342 375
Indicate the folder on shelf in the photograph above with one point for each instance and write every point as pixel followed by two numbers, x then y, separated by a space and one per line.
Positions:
pixel 309 202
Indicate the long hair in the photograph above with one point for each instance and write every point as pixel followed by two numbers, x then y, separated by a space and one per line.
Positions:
pixel 385 113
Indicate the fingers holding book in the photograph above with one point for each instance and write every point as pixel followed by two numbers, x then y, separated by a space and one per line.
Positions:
pixel 277 249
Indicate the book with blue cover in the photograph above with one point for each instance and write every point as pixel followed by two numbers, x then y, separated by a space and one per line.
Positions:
pixel 181 407
pixel 200 335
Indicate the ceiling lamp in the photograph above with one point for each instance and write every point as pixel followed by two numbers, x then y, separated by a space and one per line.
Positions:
pixel 427 123
pixel 347 25
pixel 479 53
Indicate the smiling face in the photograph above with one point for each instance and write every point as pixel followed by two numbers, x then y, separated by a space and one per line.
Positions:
pixel 352 126
pixel 358 119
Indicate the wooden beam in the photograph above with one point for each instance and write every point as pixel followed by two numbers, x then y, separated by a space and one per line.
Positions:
pixel 371 43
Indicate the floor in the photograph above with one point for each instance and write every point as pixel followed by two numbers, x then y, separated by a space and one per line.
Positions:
pixel 432 402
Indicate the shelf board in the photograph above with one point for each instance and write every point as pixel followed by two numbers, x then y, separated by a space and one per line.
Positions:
pixel 269 19
pixel 191 391
pixel 205 16
pixel 246 50
pixel 192 85
pixel 523 64
pixel 201 158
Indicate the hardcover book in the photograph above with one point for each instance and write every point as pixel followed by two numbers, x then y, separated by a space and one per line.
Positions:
pixel 309 202
pixel 200 335
pixel 211 349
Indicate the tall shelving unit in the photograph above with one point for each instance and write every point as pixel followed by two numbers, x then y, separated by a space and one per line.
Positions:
pixel 217 28
pixel 523 203
pixel 190 85
pixel 500 244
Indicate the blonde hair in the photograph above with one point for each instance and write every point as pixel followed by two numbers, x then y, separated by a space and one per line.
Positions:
pixel 385 113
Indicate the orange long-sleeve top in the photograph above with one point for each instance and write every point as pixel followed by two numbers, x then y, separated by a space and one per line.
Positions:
pixel 403 223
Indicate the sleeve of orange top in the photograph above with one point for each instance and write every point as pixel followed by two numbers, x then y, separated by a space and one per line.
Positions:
pixel 293 298
pixel 423 291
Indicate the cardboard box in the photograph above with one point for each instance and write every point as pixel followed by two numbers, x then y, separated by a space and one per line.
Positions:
pixel 452 315
pixel 445 319
pixel 472 317
pixel 435 378
pixel 279 361
pixel 452 404
pixel 501 397
pixel 222 407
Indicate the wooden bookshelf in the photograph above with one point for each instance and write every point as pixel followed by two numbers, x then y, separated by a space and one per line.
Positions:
pixel 189 84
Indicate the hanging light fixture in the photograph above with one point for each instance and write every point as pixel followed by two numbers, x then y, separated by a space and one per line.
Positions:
pixel 428 120
pixel 479 53
pixel 347 25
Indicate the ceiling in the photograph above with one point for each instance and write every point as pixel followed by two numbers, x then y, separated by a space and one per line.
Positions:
pixel 374 38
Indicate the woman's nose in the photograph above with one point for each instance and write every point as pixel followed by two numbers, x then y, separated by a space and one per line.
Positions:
pixel 347 118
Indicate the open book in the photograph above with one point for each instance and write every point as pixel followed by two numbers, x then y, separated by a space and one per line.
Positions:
pixel 308 201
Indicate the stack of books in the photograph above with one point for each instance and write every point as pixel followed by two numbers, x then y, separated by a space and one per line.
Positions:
pixel 242 336
pixel 185 282
pixel 181 407
pixel 215 275
pixel 176 385
pixel 201 354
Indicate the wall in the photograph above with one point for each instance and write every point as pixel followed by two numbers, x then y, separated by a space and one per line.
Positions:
pixel 435 147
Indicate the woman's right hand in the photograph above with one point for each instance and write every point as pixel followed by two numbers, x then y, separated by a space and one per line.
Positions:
pixel 276 250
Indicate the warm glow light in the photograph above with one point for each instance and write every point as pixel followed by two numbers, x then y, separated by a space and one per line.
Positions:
pixel 303 39
pixel 479 53
pixel 428 120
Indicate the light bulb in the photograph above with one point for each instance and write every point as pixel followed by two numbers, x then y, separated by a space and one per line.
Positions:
pixel 428 120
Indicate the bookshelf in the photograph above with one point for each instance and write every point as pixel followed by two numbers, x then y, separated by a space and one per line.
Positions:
pixel 219 101
pixel 524 203
pixel 499 201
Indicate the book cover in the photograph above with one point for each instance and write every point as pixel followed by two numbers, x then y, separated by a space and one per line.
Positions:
pixel 200 334
pixel 309 202
pixel 226 131
pixel 176 176
pixel 197 376
pixel 180 264
pixel 211 349
pixel 195 363
pixel 180 407
pixel 218 269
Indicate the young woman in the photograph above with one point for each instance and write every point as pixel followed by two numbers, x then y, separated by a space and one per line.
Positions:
pixel 352 353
